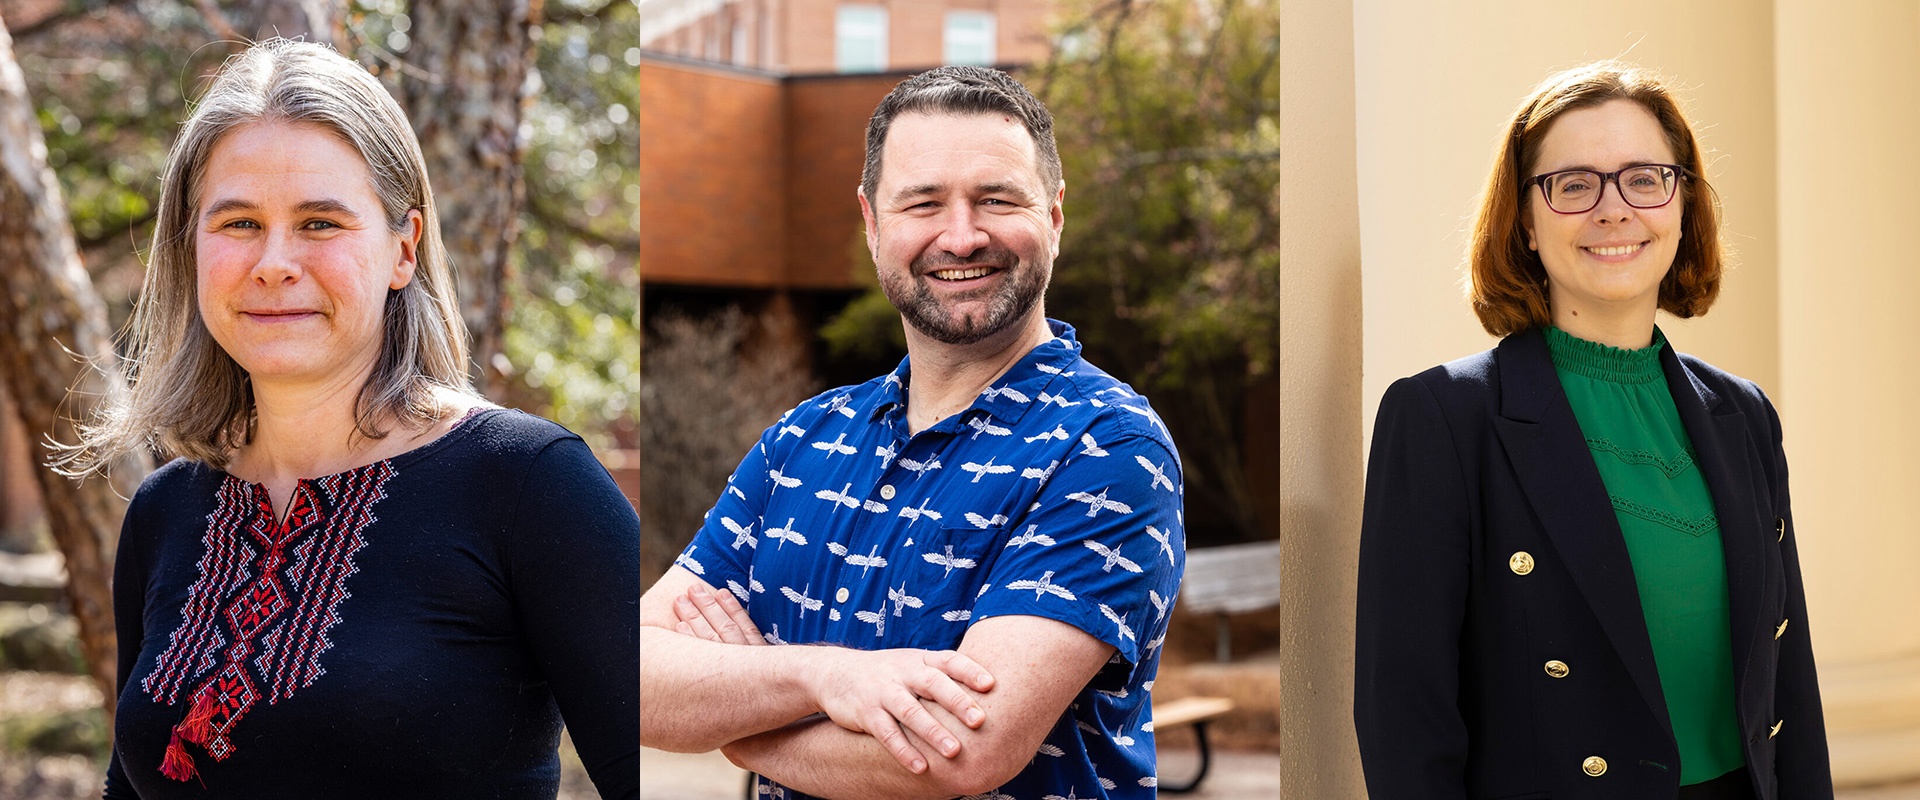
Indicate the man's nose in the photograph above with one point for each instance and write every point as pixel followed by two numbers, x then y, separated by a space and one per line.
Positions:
pixel 962 234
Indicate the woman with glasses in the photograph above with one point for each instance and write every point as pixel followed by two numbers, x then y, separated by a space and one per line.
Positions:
pixel 1578 574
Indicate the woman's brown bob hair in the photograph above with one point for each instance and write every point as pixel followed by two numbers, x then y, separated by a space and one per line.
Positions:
pixel 1509 284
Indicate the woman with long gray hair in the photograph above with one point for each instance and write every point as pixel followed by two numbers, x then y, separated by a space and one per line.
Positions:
pixel 357 578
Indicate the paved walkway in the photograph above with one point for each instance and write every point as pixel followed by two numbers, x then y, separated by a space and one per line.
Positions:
pixel 708 776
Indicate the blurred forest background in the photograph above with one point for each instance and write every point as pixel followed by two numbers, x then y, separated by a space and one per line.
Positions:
pixel 526 112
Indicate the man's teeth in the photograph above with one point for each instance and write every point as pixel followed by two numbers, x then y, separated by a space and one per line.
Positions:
pixel 962 274
pixel 1625 249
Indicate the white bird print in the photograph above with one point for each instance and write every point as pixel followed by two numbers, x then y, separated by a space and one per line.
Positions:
pixel 1151 417
pixel 948 560
pixel 1107 784
pixel 1092 447
pixel 1005 391
pixel 1039 474
pixel 983 590
pixel 1096 402
pixel 839 498
pixel 1082 725
pixel 736 490
pixel 806 603
pixel 991 795
pixel 958 616
pixel 795 430
pixel 1098 503
pixel 1030 537
pixel 1043 586
pixel 893 378
pixel 875 506
pixel 981 424
pixel 772 634
pixel 833 614
pixel 1053 370
pixel 1155 642
pixel 886 455
pixel 919 468
pixel 741 535
pixel 1119 390
pixel 1057 433
pixel 686 560
pixel 1112 556
pixel 1122 694
pixel 1158 472
pixel 1147 685
pixel 878 619
pixel 901 599
pixel 985 522
pixel 1051 750
pixel 1057 400
pixel 839 403
pixel 1159 604
pixel 867 562
pixel 913 515
pixel 786 534
pixel 1118 619
pixel 741 591
pixel 1162 537
pixel 982 470
pixel 780 481
pixel 837 549
pixel 1070 796
pixel 835 446
pixel 1150 780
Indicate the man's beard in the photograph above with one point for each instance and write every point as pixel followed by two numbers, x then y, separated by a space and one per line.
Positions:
pixel 1019 291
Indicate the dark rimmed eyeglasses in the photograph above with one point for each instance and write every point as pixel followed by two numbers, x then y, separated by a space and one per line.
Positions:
pixel 1577 191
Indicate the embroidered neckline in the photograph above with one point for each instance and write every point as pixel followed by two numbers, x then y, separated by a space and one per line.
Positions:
pixel 458 431
pixel 1605 362
pixel 1637 457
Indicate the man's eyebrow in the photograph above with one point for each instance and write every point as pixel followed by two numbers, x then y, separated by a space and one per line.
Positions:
pixel 321 206
pixel 994 187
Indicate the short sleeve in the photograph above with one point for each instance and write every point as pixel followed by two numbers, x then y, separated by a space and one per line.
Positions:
pixel 574 571
pixel 1102 549
pixel 722 549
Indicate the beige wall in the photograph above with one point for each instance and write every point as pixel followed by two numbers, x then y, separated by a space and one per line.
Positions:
pixel 1319 400
pixel 1850 356
pixel 1807 113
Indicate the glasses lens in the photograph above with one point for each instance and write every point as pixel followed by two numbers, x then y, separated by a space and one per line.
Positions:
pixel 1572 192
pixel 1647 187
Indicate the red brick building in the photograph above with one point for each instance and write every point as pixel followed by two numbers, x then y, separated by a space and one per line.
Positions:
pixel 806 37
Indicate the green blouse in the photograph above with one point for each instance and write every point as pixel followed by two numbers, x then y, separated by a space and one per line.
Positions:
pixel 1646 461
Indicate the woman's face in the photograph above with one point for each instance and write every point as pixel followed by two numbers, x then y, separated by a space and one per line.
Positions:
pixel 1608 260
pixel 294 255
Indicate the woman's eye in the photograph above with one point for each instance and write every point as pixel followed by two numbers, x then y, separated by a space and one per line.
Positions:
pixel 242 223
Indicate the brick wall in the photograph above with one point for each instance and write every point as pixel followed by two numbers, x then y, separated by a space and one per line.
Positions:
pixel 711 177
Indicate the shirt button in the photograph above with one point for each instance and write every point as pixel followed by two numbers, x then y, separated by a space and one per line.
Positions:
pixel 840 596
pixel 886 492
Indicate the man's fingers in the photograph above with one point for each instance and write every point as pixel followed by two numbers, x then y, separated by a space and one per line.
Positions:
pixel 691 617
pixel 914 717
pixel 880 726
pixel 941 689
pixel 962 668
pixel 740 617
pixel 717 617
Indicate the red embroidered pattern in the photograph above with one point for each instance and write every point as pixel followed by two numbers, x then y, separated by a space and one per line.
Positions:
pixel 256 620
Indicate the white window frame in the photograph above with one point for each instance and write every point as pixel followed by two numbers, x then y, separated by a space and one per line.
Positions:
pixel 963 36
pixel 860 38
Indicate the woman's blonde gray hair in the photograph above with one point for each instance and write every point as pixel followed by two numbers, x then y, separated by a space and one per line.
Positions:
pixel 188 397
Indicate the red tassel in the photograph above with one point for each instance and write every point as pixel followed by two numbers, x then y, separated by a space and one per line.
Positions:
pixel 177 764
pixel 199 722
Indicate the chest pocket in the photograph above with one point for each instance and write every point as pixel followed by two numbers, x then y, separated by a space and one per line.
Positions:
pixel 930 602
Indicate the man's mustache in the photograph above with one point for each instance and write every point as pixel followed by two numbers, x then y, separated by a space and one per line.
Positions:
pixel 996 257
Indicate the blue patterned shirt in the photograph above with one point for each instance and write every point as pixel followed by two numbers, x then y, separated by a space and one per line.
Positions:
pixel 1056 494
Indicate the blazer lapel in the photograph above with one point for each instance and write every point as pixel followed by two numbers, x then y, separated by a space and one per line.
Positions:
pixel 1556 470
pixel 1720 443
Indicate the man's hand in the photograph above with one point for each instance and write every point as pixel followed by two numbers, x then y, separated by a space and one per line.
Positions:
pixel 871 692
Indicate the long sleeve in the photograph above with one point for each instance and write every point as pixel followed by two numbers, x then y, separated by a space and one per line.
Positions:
pixel 574 560
pixel 129 611
pixel 1412 600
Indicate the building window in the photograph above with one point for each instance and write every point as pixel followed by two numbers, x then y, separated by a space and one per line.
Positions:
pixel 860 39
pixel 741 55
pixel 969 37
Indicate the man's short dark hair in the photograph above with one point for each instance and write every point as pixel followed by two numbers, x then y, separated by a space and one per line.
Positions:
pixel 963 90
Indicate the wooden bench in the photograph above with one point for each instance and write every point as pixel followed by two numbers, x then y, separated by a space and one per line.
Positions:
pixel 1228 580
pixel 1194 711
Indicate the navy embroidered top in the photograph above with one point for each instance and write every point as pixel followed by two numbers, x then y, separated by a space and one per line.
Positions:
pixel 415 628
pixel 1056 494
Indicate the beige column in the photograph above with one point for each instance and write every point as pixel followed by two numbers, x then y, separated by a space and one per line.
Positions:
pixel 1320 477
pixel 1849 165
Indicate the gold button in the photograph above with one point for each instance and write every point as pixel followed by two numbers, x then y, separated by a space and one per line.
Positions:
pixel 1783 530
pixel 1557 669
pixel 886 492
pixel 1521 563
pixel 1780 630
pixel 1776 729
pixel 1594 766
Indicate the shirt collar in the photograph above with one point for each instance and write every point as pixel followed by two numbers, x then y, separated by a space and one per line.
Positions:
pixel 1033 374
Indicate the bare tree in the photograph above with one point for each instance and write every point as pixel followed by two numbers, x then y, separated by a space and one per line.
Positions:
pixel 466 88
pixel 47 308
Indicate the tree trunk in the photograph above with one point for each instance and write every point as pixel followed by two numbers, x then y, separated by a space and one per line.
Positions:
pixel 48 308
pixel 466 90
pixel 318 21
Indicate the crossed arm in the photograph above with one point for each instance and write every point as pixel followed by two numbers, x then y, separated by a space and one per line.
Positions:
pixel 1023 671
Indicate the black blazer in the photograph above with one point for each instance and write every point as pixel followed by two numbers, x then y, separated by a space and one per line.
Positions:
pixel 1479 460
